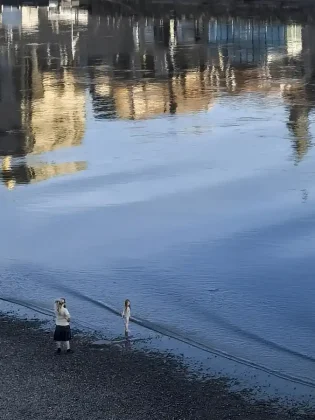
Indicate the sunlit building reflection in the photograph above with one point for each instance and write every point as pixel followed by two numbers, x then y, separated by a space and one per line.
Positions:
pixel 41 102
pixel 57 117
pixel 139 68
pixel 180 66
pixel 13 174
pixel 182 94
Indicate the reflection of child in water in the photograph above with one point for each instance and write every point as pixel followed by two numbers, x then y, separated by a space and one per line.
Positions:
pixel 126 315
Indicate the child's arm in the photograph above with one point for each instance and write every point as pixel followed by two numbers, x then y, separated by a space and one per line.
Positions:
pixel 67 314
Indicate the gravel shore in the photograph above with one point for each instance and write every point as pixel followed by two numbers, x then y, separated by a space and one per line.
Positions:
pixel 109 384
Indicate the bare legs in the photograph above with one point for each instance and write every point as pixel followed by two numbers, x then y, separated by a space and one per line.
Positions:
pixel 67 345
pixel 126 325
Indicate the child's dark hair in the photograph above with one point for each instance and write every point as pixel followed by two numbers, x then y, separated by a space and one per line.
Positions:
pixel 126 303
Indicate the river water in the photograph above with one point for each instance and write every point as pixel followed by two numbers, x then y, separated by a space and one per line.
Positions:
pixel 168 161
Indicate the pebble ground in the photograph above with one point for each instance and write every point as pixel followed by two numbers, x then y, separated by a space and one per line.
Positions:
pixel 109 384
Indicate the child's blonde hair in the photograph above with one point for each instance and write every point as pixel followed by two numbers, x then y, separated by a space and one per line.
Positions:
pixel 59 304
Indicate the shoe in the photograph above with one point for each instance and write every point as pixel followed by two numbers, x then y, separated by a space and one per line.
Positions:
pixel 58 351
pixel 70 351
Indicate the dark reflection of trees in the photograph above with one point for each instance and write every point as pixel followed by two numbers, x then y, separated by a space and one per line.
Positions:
pixel 54 63
pixel 198 31
pixel 162 33
pixel 16 85
pixel 15 143
pixel 181 61
pixel 300 103
pixel 173 102
pixel 122 66
pixel 147 65
pixel 298 125
pixel 21 174
pixel 103 105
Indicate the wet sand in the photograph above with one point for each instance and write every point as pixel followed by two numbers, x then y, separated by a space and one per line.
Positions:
pixel 110 383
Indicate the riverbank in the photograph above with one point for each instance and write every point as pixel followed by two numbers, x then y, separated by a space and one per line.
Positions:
pixel 110 382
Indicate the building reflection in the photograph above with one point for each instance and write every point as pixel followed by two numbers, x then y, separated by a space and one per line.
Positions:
pixel 181 94
pixel 57 118
pixel 138 69
pixel 179 66
pixel 42 104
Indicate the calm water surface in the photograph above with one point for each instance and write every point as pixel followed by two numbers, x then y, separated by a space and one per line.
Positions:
pixel 167 161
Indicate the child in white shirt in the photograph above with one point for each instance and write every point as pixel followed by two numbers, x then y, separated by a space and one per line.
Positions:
pixel 126 315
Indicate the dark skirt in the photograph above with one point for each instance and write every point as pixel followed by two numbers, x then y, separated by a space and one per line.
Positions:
pixel 62 333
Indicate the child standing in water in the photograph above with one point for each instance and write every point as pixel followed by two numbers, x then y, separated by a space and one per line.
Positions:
pixel 126 315
pixel 62 332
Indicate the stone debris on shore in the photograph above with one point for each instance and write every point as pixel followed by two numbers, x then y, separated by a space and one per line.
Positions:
pixel 114 383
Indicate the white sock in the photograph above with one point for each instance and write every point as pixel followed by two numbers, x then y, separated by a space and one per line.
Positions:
pixel 68 345
pixel 58 344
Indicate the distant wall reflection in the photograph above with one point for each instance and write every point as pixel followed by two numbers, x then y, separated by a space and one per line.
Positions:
pixel 51 57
